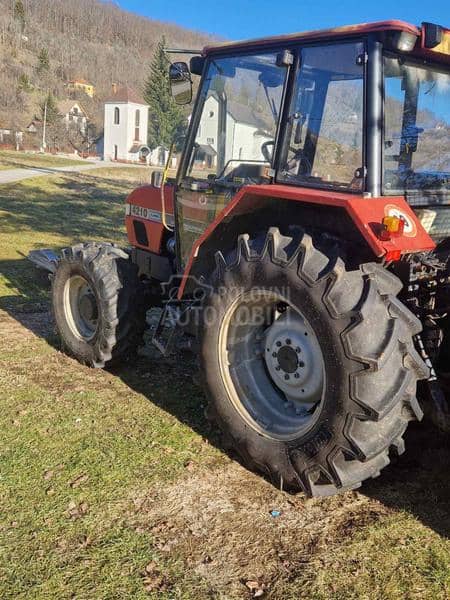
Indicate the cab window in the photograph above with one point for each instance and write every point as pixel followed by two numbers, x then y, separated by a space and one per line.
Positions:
pixel 324 138
pixel 241 99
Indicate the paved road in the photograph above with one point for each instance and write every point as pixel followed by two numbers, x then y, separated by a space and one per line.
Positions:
pixel 13 175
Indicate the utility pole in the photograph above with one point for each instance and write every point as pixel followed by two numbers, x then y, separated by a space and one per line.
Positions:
pixel 44 128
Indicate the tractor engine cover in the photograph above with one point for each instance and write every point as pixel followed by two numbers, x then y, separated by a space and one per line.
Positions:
pixel 144 216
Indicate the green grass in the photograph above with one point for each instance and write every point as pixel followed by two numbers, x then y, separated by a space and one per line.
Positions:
pixel 137 175
pixel 103 474
pixel 10 159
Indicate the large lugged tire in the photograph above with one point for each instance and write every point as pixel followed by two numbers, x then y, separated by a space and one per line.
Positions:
pixel 98 303
pixel 319 390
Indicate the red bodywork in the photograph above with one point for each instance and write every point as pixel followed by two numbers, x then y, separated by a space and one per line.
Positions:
pixel 147 200
pixel 366 213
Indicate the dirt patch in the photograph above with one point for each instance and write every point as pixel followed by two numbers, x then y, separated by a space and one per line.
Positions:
pixel 240 534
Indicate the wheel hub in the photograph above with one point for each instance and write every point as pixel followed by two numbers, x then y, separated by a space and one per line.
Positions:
pixel 273 369
pixel 294 359
pixel 287 359
pixel 80 307
pixel 88 307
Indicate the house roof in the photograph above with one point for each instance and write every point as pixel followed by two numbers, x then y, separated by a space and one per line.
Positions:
pixel 245 114
pixel 66 106
pixel 125 94
pixel 207 149
pixel 242 113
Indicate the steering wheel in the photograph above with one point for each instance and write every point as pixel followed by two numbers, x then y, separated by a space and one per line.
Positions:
pixel 268 154
pixel 299 159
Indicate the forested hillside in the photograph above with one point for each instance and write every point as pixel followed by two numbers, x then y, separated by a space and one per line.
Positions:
pixel 45 43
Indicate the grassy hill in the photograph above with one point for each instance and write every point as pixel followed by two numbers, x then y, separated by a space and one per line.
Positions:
pixel 87 39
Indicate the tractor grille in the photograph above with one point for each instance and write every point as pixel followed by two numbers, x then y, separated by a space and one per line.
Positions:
pixel 140 232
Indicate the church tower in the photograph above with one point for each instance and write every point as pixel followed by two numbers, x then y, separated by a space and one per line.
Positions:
pixel 125 126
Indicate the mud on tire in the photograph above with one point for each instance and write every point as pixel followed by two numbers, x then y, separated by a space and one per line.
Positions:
pixel 371 366
pixel 116 296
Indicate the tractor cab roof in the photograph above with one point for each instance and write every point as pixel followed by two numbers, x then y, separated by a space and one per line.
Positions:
pixel 428 40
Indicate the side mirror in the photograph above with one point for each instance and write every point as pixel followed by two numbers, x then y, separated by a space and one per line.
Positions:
pixel 180 82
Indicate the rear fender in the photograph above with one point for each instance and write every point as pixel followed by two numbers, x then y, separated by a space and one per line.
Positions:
pixel 363 217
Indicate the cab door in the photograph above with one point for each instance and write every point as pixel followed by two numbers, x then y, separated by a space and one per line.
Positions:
pixel 232 138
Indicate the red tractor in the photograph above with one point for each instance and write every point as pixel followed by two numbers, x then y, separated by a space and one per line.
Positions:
pixel 302 250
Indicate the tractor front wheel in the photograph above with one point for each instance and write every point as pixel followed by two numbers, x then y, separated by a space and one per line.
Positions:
pixel 310 369
pixel 98 303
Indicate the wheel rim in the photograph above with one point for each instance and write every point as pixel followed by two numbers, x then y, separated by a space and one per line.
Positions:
pixel 272 364
pixel 80 308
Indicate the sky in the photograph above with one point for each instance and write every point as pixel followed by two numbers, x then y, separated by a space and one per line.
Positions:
pixel 240 19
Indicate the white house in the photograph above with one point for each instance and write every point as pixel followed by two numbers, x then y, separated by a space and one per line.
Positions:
pixel 73 114
pixel 8 136
pixel 246 132
pixel 125 127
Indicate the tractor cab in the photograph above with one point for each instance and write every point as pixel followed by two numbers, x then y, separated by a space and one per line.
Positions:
pixel 361 110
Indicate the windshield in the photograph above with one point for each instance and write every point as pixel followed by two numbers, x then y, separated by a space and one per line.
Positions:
pixel 416 128
pixel 241 99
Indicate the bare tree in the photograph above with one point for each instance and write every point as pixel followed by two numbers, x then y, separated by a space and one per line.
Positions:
pixel 90 39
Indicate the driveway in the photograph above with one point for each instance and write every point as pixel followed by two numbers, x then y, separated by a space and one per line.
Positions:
pixel 13 175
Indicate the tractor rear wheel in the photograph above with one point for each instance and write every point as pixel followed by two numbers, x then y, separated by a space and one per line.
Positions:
pixel 98 303
pixel 310 369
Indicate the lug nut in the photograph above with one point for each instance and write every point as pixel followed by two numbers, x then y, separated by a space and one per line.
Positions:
pixel 274 354
pixel 286 376
pixel 279 344
pixel 288 342
pixel 301 364
pixel 296 375
pixel 298 350
pixel 277 368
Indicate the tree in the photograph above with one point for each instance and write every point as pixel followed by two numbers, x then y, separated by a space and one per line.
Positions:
pixel 24 84
pixel 55 128
pixel 82 139
pixel 52 113
pixel 166 119
pixel 43 65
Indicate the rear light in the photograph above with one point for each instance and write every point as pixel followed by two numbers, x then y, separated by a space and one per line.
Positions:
pixel 393 255
pixel 392 226
pixel 401 40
